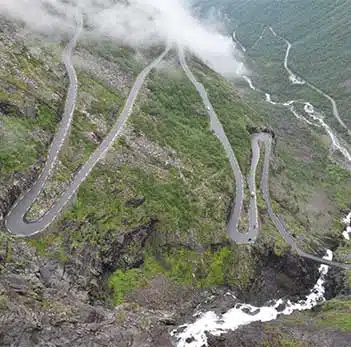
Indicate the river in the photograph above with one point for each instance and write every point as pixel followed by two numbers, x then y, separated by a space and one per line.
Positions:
pixel 194 334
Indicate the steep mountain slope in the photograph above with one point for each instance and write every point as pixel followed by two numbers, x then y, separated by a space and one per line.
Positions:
pixel 318 30
pixel 326 326
pixel 300 22
pixel 148 226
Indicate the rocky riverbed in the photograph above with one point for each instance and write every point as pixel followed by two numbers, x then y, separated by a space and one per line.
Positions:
pixel 44 301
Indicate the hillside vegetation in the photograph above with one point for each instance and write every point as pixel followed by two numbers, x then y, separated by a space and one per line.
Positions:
pixel 157 204
pixel 318 30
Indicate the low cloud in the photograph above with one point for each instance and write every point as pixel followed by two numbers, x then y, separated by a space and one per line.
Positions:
pixel 135 22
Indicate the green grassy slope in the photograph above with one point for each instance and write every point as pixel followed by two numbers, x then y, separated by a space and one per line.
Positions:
pixel 168 156
pixel 302 172
pixel 307 328
pixel 168 165
pixel 319 31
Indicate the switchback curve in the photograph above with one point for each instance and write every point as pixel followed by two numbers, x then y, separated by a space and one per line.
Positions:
pixel 266 139
pixel 15 220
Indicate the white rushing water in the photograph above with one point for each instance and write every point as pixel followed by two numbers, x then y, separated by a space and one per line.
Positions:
pixel 243 314
pixel 298 80
pixel 194 334
pixel 299 116
pixel 238 42
pixel 269 99
pixel 248 80
pixel 316 118
pixel 292 77
pixel 309 109
pixel 347 221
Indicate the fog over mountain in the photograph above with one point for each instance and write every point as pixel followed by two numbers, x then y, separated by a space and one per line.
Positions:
pixel 135 22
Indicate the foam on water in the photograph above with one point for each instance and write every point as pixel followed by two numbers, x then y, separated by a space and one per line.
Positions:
pixel 309 109
pixel 243 314
pixel 317 120
pixel 269 99
pixel 295 79
pixel 347 221
pixel 248 80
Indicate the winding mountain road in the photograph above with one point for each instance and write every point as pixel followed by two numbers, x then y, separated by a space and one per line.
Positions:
pixel 15 220
pixel 217 129
pixel 293 77
pixel 238 42
pixel 256 139
pixel 266 139
pixel 316 117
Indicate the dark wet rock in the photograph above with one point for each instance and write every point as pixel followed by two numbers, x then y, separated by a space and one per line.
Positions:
pixel 190 339
pixel 251 312
pixel 336 283
pixel 253 335
pixel 218 301
pixel 136 202
pixel 281 307
pixel 21 183
pixel 40 305
pixel 9 109
pixel 280 332
pixel 284 276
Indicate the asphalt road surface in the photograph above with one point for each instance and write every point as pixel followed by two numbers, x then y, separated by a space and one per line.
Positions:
pixel 266 139
pixel 217 128
pixel 15 220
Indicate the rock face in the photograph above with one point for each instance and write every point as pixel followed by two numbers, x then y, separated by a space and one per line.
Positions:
pixel 337 284
pixel 63 299
pixel 41 306
pixel 8 109
pixel 251 335
pixel 281 276
pixel 47 303
pixel 279 334
pixel 21 182
pixel 90 265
